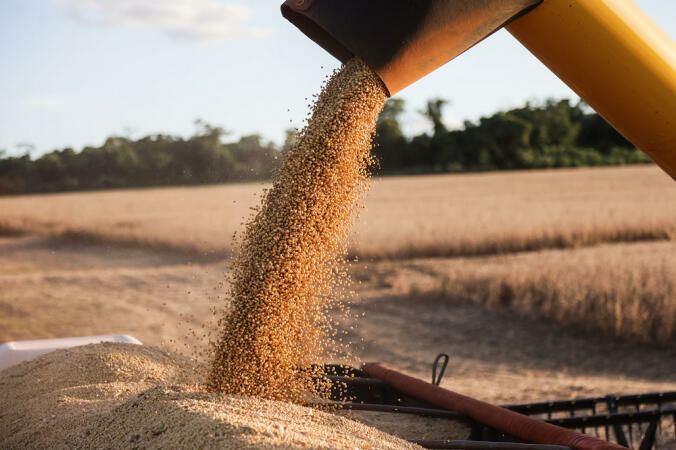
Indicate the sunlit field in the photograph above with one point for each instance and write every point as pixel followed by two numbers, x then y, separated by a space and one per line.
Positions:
pixel 404 217
pixel 591 248
pixel 541 284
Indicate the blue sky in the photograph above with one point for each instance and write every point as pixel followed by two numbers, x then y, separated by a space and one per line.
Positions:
pixel 76 71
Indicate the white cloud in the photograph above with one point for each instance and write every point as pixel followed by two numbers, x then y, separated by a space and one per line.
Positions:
pixel 180 19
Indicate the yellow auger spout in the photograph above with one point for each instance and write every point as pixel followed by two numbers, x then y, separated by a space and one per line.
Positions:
pixel 608 51
pixel 617 59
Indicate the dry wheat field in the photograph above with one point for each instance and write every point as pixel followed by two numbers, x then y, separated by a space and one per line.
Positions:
pixel 540 285
pixel 434 215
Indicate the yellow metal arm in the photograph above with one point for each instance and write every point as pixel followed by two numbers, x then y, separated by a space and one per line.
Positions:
pixel 617 59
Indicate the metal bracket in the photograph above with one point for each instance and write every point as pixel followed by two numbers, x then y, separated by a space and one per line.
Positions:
pixel 437 379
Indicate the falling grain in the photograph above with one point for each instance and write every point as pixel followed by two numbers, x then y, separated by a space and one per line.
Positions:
pixel 287 267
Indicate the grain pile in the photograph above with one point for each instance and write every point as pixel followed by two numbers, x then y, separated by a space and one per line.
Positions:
pixel 52 401
pixel 287 269
pixel 410 426
pixel 130 396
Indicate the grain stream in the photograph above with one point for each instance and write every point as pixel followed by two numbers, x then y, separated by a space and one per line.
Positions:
pixel 287 270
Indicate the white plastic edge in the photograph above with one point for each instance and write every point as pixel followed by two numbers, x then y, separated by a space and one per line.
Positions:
pixel 12 353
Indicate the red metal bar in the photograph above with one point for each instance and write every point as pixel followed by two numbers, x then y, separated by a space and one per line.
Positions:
pixel 510 422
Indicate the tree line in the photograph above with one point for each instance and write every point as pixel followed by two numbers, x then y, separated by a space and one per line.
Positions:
pixel 554 134
pixel 157 160
pixel 551 134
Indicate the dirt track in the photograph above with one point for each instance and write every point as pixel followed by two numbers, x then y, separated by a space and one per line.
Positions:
pixel 53 288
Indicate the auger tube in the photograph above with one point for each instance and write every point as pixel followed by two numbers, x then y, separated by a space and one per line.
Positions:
pixel 524 427
pixel 617 59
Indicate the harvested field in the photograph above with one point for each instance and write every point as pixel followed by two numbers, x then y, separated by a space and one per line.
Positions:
pixel 495 213
pixel 123 395
pixel 57 288
pixel 444 215
pixel 590 317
